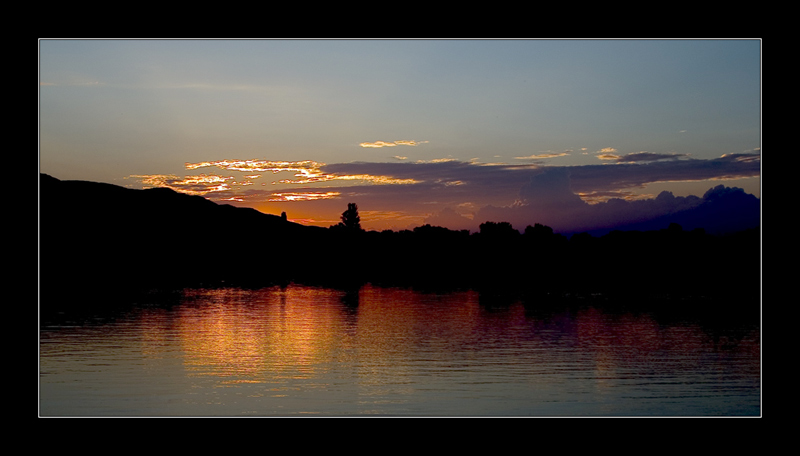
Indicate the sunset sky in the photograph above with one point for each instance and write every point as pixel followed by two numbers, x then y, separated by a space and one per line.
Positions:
pixel 569 133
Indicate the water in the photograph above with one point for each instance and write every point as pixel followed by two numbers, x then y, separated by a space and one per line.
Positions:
pixel 303 351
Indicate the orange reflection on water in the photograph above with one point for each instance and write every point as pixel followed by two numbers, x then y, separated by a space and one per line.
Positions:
pixel 393 341
pixel 258 336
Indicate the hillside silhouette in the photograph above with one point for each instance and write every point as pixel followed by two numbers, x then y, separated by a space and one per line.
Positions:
pixel 105 237
pixel 98 239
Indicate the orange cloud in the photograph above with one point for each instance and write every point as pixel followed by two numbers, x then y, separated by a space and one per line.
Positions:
pixel 192 185
pixel 302 196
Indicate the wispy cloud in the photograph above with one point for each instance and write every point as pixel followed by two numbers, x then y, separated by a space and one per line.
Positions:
pixel 621 176
pixel 436 160
pixel 544 156
pixel 607 153
pixel 305 172
pixel 648 156
pixel 192 185
pixel 743 157
pixel 258 165
pixel 302 196
pixel 379 144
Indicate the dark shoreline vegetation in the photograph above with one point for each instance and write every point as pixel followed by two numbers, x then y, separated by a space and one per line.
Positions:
pixel 98 240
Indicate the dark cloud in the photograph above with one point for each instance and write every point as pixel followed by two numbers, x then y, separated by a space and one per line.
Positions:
pixel 582 179
pixel 559 209
pixel 648 156
pixel 550 196
pixel 593 178
pixel 551 190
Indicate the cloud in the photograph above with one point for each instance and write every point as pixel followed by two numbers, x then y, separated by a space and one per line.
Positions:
pixel 750 157
pixel 191 185
pixel 558 196
pixel 503 183
pixel 302 196
pixel 368 178
pixel 306 171
pixel 550 190
pixel 609 154
pixel 622 176
pixel 305 166
pixel 554 196
pixel 544 155
pixel 437 160
pixel 379 144
pixel 447 178
pixel 549 199
pixel 648 156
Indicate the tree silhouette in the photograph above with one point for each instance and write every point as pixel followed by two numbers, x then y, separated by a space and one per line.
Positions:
pixel 350 217
pixel 499 230
pixel 539 231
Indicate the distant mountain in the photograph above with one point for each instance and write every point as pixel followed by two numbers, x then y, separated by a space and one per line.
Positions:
pixel 722 210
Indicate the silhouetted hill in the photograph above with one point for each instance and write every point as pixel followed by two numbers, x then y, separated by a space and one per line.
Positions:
pixel 98 238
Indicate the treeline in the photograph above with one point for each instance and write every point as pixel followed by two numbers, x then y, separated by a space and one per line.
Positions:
pixel 499 258
pixel 127 241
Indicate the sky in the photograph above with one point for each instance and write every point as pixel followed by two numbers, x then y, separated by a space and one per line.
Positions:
pixel 573 134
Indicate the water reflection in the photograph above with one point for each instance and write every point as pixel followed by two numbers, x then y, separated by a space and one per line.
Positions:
pixel 248 336
pixel 305 350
